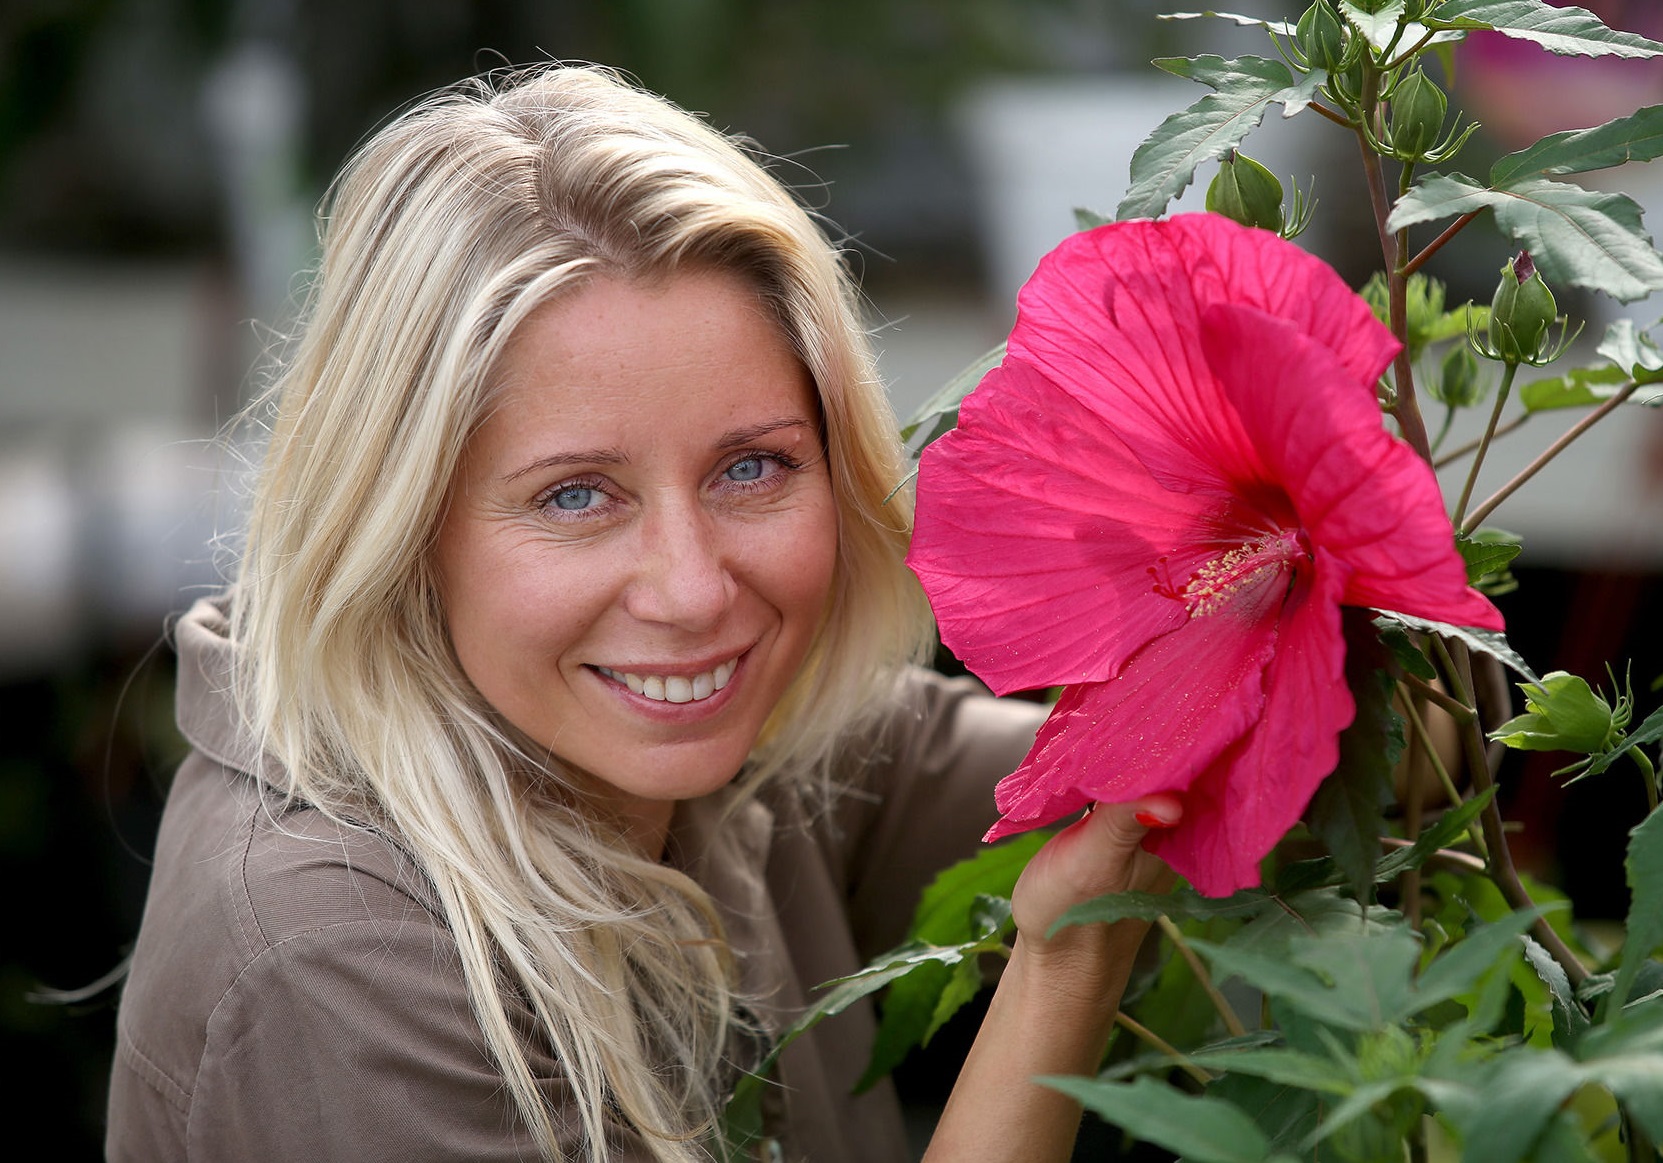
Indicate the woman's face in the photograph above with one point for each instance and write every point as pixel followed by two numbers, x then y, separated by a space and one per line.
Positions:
pixel 641 535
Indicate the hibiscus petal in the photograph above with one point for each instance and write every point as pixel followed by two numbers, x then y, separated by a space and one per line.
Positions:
pixel 1035 534
pixel 1177 706
pixel 1110 316
pixel 1360 493
pixel 1237 810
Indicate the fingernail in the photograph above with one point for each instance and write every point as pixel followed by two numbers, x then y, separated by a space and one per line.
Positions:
pixel 1151 820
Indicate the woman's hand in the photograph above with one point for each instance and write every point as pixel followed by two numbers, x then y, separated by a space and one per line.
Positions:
pixel 1057 997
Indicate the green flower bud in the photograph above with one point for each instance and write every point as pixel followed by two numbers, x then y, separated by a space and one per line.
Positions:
pixel 1521 311
pixel 1562 713
pixel 1245 192
pixel 1321 36
pixel 1458 383
pixel 1418 111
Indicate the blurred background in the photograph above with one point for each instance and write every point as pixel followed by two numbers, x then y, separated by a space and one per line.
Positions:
pixel 159 165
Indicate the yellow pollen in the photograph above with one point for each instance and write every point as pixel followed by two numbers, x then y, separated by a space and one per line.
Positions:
pixel 1210 588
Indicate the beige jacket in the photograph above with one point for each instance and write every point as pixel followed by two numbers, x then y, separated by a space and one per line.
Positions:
pixel 295 993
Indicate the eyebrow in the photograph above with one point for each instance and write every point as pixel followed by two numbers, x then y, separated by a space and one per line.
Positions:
pixel 734 438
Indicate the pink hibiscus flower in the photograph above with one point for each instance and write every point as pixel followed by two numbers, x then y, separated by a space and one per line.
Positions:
pixel 1161 499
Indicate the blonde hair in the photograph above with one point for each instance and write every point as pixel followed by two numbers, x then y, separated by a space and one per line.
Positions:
pixel 440 236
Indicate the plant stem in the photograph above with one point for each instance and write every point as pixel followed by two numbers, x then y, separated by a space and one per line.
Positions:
pixel 1511 370
pixel 1650 774
pixel 1512 425
pixel 1336 118
pixel 1552 450
pixel 1437 243
pixel 1425 740
pixel 1458 674
pixel 1144 1034
pixel 1173 934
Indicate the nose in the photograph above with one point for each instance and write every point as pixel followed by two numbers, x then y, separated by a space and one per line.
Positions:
pixel 682 577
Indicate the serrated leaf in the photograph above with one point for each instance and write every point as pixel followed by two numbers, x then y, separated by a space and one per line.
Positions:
pixel 1646 733
pixel 1344 980
pixel 1584 238
pixel 1276 1064
pixel 1182 904
pixel 1165 163
pixel 1201 1129
pixel 1459 968
pixel 1635 138
pixel 944 405
pixel 1567 31
pixel 1485 557
pixel 1570 1021
pixel 1279 27
pixel 1484 641
pixel 1644 867
pixel 1521 1094
pixel 1379 27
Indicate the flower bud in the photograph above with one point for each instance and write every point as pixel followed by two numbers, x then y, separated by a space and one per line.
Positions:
pixel 1418 110
pixel 1458 384
pixel 1245 192
pixel 1562 713
pixel 1521 311
pixel 1321 36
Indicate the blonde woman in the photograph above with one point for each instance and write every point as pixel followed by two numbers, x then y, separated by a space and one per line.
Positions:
pixel 559 732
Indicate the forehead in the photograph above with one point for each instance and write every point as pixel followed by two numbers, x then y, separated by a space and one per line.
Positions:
pixel 692 351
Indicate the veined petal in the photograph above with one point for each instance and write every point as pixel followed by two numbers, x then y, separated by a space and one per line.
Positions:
pixel 1359 492
pixel 1242 804
pixel 1179 703
pixel 1036 534
pixel 1110 316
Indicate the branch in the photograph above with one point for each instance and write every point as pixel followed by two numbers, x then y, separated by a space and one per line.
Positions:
pixel 1437 243
pixel 1548 454
pixel 1476 442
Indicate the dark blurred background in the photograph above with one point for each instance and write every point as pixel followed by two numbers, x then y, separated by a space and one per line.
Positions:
pixel 159 163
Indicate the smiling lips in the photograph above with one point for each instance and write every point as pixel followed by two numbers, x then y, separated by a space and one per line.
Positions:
pixel 675 688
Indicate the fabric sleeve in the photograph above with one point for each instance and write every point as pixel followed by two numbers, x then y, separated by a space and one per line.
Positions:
pixel 925 797
pixel 357 1041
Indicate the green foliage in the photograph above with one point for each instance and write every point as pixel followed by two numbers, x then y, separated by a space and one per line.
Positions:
pixel 1565 30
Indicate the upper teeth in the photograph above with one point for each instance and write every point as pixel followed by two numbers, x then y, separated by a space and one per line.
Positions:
pixel 675 688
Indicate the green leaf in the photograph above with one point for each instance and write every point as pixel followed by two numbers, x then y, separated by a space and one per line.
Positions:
pixel 944 910
pixel 1278 27
pixel 1277 1064
pixel 943 407
pixel 1380 26
pixel 1570 1021
pixel 1581 387
pixel 1085 219
pixel 1586 238
pixel 1183 904
pixel 1346 980
pixel 1451 827
pixel 1484 641
pixel 1347 813
pixel 1567 31
pixel 1635 138
pixel 1165 163
pixel 1634 352
pixel 1644 865
pixel 1405 651
pixel 1484 948
pixel 1487 552
pixel 1520 1097
pixel 1201 1129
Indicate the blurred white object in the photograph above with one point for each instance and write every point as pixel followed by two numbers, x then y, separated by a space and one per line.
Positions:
pixel 40 599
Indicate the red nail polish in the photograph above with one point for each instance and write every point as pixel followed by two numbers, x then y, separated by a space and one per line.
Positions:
pixel 1151 820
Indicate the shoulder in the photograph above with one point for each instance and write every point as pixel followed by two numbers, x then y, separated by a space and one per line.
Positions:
pixel 264 925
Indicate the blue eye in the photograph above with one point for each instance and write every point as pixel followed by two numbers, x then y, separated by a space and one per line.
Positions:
pixel 573 497
pixel 749 469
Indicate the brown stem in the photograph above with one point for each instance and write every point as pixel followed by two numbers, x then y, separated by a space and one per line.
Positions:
pixel 1477 442
pixel 1462 862
pixel 1144 1034
pixel 1457 672
pixel 1551 451
pixel 1437 243
pixel 1225 1010
pixel 1336 118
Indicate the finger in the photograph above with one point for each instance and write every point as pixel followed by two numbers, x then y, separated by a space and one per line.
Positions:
pixel 1129 822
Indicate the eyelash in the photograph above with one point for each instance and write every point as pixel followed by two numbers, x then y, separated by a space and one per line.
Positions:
pixel 545 500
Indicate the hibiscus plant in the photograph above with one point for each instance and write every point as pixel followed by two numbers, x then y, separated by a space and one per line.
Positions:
pixel 1193 497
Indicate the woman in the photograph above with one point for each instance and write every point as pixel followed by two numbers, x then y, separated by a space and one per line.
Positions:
pixel 557 735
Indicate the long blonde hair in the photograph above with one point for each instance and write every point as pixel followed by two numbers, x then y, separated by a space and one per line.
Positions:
pixel 440 236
